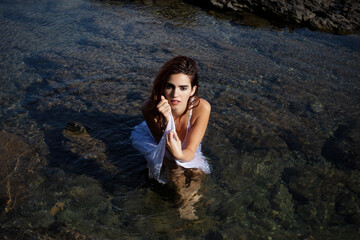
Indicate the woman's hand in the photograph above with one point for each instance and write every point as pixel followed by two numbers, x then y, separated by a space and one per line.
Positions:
pixel 173 144
pixel 165 109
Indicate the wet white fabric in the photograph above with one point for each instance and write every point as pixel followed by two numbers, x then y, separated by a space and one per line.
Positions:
pixel 154 153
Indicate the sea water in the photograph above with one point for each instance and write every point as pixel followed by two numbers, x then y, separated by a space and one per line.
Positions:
pixel 282 141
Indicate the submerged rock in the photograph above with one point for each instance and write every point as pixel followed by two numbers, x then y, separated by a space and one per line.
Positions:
pixel 59 206
pixel 82 144
pixel 342 148
pixel 18 160
pixel 76 128
pixel 282 205
pixel 323 196
pixel 316 107
pixel 326 15
pixel 41 219
pixel 215 235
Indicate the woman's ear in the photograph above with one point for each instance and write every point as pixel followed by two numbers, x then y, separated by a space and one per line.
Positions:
pixel 193 90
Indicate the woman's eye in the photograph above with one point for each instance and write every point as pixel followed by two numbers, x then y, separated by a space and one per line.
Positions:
pixel 168 87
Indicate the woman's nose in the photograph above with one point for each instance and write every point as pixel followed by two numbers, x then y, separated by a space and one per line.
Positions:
pixel 175 92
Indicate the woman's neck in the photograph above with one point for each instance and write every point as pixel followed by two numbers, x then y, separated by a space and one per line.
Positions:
pixel 177 114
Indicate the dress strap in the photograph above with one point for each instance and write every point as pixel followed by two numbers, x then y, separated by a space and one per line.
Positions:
pixel 188 124
pixel 190 114
pixel 191 110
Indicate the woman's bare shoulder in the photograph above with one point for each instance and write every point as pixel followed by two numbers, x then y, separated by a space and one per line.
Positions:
pixel 204 106
pixel 202 109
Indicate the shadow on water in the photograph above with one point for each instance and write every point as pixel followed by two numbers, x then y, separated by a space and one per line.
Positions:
pixel 104 152
pixel 342 147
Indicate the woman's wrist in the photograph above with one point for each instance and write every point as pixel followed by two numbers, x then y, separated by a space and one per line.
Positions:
pixel 181 155
pixel 186 155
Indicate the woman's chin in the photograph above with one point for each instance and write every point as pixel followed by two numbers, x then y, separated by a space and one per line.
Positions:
pixel 177 108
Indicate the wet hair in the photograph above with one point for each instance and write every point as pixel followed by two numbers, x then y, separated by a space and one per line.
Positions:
pixel 176 65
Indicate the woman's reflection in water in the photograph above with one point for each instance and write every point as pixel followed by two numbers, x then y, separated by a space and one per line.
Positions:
pixel 187 184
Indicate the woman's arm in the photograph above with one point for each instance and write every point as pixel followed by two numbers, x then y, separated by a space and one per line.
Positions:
pixel 199 124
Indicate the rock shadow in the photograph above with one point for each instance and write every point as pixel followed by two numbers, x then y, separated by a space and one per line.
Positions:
pixel 103 152
pixel 342 148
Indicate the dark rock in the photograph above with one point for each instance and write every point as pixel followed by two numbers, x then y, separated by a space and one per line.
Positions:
pixel 316 107
pixel 329 196
pixel 282 205
pixel 81 143
pixel 41 219
pixel 342 148
pixel 233 207
pixel 76 128
pixel 214 236
pixel 346 204
pixel 325 15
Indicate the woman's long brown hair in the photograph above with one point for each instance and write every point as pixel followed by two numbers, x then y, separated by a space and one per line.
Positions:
pixel 176 65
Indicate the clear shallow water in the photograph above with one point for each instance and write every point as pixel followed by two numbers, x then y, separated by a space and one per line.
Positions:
pixel 282 140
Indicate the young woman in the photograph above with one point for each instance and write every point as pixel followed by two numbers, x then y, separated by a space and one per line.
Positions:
pixel 176 119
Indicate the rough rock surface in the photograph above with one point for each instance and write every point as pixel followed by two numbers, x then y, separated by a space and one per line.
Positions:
pixel 80 143
pixel 339 16
pixel 18 161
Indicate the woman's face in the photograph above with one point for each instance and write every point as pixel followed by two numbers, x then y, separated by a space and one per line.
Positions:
pixel 178 91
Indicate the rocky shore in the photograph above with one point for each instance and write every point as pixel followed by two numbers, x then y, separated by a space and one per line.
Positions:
pixel 337 16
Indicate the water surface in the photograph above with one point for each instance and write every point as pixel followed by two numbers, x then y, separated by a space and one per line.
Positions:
pixel 283 138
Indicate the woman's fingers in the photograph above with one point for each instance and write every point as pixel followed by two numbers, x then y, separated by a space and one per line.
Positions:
pixel 164 108
pixel 173 144
pixel 175 136
pixel 170 137
pixel 163 102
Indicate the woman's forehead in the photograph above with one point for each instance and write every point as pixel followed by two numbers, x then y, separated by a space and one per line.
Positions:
pixel 179 79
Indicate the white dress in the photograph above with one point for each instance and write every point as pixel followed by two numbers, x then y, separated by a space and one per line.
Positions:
pixel 143 141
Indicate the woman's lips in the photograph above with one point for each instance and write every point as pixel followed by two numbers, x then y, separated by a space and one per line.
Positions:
pixel 175 102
